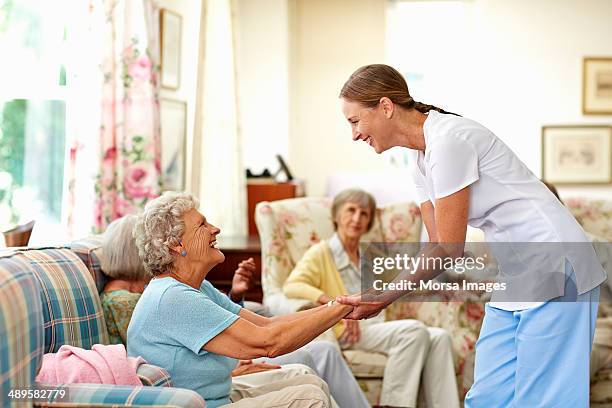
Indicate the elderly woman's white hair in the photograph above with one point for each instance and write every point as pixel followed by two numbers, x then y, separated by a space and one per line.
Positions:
pixel 160 227
pixel 120 258
pixel 355 195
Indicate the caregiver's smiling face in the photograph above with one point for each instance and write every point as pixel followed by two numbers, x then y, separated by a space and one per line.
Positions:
pixel 367 124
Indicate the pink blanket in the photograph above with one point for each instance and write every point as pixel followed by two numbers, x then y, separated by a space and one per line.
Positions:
pixel 100 365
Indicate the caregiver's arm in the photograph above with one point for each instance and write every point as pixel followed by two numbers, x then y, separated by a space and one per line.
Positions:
pixel 450 223
pixel 246 340
pixel 427 211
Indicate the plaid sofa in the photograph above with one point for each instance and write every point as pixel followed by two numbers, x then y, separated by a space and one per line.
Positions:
pixel 50 297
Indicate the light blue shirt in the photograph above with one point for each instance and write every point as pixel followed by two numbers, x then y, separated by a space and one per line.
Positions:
pixel 169 326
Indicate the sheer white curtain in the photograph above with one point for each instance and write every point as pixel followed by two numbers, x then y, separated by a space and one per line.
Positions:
pixel 222 181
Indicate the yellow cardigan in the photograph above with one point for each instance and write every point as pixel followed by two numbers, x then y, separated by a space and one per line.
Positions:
pixel 314 275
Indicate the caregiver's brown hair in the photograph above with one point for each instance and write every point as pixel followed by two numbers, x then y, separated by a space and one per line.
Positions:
pixel 368 84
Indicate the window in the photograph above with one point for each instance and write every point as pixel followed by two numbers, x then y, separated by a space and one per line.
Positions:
pixel 429 43
pixel 33 107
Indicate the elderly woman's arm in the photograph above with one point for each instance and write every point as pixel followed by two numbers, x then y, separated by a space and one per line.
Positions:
pixel 268 321
pixel 246 340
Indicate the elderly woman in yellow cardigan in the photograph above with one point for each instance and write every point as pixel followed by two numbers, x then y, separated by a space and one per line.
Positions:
pixel 330 268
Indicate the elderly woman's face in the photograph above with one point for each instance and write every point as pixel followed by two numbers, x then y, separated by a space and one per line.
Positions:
pixel 200 239
pixel 352 220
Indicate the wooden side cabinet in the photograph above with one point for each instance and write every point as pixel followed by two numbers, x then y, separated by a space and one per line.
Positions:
pixel 270 191
pixel 237 249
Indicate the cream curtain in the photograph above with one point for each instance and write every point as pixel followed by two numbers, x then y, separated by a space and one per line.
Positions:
pixel 222 183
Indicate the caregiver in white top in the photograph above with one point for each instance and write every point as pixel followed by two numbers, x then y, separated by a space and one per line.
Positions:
pixel 465 174
pixel 509 204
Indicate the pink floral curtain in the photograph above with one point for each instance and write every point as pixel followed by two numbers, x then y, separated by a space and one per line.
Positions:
pixel 130 171
pixel 127 170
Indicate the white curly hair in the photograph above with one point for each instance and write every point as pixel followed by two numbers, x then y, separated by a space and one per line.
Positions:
pixel 160 227
pixel 120 258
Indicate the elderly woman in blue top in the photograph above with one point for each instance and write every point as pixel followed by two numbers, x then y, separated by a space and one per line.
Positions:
pixel 184 324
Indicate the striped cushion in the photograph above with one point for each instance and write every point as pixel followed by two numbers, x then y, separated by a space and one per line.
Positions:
pixel 89 250
pixel 99 395
pixel 153 375
pixel 71 306
pixel 21 322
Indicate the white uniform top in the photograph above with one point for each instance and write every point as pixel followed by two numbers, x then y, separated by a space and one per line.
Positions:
pixel 507 201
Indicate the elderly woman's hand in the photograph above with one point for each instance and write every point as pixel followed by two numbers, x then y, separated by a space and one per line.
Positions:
pixel 351 333
pixel 244 279
pixel 249 367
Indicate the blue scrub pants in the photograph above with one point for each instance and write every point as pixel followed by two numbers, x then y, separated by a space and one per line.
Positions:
pixel 536 357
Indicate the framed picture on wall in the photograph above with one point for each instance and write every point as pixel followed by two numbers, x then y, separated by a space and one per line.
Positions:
pixel 174 143
pixel 577 154
pixel 170 38
pixel 597 86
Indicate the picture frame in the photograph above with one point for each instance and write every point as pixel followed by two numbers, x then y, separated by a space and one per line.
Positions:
pixel 170 27
pixel 173 121
pixel 597 86
pixel 577 154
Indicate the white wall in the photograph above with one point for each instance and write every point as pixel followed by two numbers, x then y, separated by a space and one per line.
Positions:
pixel 539 46
pixel 262 65
pixel 512 65
pixel 517 67
pixel 190 11
pixel 329 40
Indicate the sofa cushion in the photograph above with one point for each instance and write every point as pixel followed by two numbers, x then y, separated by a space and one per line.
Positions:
pixel 89 250
pixel 365 364
pixel 154 376
pixel 70 303
pixel 21 325
pixel 103 395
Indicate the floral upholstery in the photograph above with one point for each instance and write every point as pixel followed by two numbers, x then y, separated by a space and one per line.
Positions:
pixel 595 216
pixel 287 229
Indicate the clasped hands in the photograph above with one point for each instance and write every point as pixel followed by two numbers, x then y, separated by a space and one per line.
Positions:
pixel 365 305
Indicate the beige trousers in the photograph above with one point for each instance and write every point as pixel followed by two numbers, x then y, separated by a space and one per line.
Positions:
pixel 294 385
pixel 414 352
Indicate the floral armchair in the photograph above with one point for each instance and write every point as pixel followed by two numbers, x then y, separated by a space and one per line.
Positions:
pixel 289 227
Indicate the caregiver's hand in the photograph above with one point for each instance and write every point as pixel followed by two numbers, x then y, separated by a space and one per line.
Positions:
pixel 362 309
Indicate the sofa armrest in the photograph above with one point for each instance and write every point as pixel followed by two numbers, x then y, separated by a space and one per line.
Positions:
pixel 102 395
pixel 154 376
